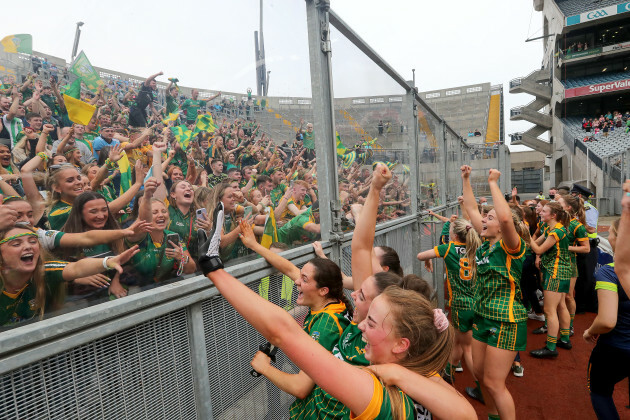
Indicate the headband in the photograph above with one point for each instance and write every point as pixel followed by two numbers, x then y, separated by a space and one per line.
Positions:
pixel 9 197
pixel 440 320
pixel 19 235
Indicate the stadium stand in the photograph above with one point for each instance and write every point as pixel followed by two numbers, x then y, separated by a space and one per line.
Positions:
pixel 616 142
pixel 494 121
pixel 595 79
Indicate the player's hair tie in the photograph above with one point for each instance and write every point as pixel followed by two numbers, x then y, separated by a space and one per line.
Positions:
pixel 19 235
pixel 468 227
pixel 440 320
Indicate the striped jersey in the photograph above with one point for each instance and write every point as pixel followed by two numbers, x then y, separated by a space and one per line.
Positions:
pixel 58 214
pixel 458 274
pixel 380 407
pixel 576 233
pixel 351 347
pixel 557 261
pixel 325 327
pixel 497 286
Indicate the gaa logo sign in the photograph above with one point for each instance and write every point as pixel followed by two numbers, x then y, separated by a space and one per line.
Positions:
pixel 597 14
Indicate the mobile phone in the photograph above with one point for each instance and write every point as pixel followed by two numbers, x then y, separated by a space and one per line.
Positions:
pixel 202 213
pixel 248 212
pixel 172 237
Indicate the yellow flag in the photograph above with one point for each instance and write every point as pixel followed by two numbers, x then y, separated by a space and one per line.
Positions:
pixel 171 117
pixel 78 111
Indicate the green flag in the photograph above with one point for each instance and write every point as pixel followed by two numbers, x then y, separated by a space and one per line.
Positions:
pixel 204 123
pixel 82 68
pixel 341 149
pixel 182 135
pixel 125 173
pixel 74 90
pixel 19 43
pixel 270 233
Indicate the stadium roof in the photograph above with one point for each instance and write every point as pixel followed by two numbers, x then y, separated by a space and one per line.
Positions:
pixel 575 7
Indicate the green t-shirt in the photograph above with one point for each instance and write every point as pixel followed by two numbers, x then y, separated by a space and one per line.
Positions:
pixel 58 214
pixel 446 231
pixel 277 193
pixel 293 230
pixel 172 105
pixel 184 226
pixel 191 107
pixel 152 262
pixel 108 192
pixel 351 347
pixel 309 141
pixel 576 233
pixel 459 275
pixel 557 260
pixel 20 306
pixel 497 286
pixel 325 327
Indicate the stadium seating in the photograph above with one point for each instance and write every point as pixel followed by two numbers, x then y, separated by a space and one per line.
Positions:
pixel 617 141
pixel 595 79
pixel 575 7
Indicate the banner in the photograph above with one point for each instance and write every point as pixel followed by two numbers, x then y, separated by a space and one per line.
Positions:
pixel 616 47
pixel 22 43
pixel 597 89
pixel 577 54
pixel 83 69
pixel 598 14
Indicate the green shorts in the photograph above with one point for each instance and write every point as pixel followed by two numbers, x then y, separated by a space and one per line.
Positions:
pixel 502 335
pixel 555 285
pixel 462 319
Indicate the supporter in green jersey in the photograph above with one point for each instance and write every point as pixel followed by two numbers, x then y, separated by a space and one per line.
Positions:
pixel 578 243
pixel 500 321
pixel 31 285
pixel 459 259
pixel 555 265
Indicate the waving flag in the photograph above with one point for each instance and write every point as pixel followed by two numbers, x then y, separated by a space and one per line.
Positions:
pixel 79 112
pixel 125 173
pixel 270 233
pixel 204 123
pixel 82 67
pixel 19 43
pixel 182 135
pixel 171 117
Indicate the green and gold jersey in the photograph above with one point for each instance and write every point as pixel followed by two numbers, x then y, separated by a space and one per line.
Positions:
pixel 294 230
pixel 172 105
pixel 542 227
pixel 152 262
pixel 58 214
pixel 277 193
pixel 108 192
pixel 191 106
pixel 380 407
pixel 446 231
pixel 576 233
pixel 459 275
pixel 497 286
pixel 288 214
pixel 21 306
pixel 557 261
pixel 184 226
pixel 325 327
pixel 351 347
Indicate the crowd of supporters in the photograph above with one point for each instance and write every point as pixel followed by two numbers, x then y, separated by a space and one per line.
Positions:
pixel 128 176
pixel 595 128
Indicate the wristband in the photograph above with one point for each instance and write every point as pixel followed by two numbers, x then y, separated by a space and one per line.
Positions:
pixel 43 156
pixel 105 266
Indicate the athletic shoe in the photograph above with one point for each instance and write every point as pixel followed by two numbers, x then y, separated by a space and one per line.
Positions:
pixel 540 330
pixel 535 316
pixel 459 367
pixel 564 345
pixel 544 353
pixel 475 394
pixel 518 370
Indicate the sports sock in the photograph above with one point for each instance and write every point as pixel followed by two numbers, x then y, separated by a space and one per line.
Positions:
pixel 479 388
pixel 572 318
pixel 564 334
pixel 551 342
pixel 493 417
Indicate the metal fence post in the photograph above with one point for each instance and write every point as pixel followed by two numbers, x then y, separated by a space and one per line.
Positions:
pixel 443 161
pixel 412 147
pixel 324 122
pixel 199 361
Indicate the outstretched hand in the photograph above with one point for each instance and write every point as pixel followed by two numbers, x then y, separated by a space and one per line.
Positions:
pixel 247 234
pixel 120 259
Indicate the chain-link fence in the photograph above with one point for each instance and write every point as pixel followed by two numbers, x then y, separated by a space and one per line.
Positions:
pixel 181 351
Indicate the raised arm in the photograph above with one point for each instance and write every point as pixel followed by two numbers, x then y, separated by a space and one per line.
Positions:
pixel 363 239
pixel 622 252
pixel 158 169
pixel 89 266
pixel 504 213
pixel 280 263
pixel 152 77
pixel 470 203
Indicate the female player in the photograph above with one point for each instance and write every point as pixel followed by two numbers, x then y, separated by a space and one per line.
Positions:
pixel 30 283
pixel 578 243
pixel 555 263
pixel 401 327
pixel 500 321
pixel 610 330
pixel 459 259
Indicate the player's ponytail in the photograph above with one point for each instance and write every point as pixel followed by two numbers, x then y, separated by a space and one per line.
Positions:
pixel 464 230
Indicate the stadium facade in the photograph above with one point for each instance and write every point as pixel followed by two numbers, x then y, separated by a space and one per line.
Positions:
pixel 584 74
